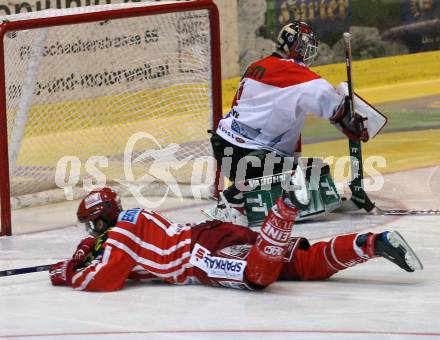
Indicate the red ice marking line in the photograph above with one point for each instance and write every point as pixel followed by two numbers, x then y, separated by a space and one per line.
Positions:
pixel 230 331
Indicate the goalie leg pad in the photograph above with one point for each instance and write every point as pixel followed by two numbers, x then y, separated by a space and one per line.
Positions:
pixel 264 191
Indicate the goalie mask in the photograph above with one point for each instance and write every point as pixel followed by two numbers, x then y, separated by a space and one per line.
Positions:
pixel 99 210
pixel 298 42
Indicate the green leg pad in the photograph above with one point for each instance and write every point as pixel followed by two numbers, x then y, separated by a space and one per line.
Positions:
pixel 324 197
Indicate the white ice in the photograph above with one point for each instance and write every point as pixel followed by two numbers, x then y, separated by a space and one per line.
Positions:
pixel 376 300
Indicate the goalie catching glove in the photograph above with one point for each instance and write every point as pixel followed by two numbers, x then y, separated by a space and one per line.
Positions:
pixel 352 125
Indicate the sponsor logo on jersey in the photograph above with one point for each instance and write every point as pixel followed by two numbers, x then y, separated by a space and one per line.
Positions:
pixel 245 130
pixel 276 234
pixel 273 250
pixel 235 126
pixel 234 113
pixel 225 131
pixel 92 200
pixel 217 267
pixel 279 223
pixel 256 72
pixel 130 216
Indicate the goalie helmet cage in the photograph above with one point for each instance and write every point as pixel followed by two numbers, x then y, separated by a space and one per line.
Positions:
pixel 79 84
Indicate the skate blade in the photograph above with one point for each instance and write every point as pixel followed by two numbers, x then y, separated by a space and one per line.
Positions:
pixel 411 258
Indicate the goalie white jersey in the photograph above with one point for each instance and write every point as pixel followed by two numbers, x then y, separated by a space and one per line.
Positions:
pixel 271 103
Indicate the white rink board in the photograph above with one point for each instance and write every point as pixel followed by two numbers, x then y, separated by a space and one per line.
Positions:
pixel 376 300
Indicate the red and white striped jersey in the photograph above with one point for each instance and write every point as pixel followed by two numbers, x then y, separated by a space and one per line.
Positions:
pixel 142 245
pixel 271 103
pixel 145 245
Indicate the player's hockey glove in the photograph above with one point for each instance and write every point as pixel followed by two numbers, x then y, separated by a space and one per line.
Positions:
pixel 351 125
pixel 61 273
pixel 84 249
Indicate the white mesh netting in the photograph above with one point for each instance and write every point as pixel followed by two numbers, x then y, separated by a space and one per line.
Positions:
pixel 88 96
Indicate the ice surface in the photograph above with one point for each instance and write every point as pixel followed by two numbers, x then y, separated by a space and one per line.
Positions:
pixel 376 300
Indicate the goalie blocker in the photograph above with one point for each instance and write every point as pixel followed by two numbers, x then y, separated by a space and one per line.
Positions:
pixel 366 121
pixel 260 194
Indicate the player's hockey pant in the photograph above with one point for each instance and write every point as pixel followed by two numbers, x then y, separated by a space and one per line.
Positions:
pixel 323 259
pixel 301 261
pixel 229 157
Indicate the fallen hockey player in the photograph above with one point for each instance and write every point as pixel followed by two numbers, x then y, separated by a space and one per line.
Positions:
pixel 143 245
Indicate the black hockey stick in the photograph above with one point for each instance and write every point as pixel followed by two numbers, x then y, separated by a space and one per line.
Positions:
pixel 359 196
pixel 26 270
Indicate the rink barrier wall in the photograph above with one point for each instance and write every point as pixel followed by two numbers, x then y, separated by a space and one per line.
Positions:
pixel 402 151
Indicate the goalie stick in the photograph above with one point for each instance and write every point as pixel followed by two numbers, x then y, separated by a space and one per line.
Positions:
pixel 25 270
pixel 426 212
pixel 359 196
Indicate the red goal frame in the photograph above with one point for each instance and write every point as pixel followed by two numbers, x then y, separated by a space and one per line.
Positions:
pixel 6 26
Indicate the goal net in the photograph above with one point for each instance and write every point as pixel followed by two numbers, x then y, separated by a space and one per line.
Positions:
pixel 119 95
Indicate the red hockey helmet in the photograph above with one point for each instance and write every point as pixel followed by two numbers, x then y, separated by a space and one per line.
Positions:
pixel 99 204
pixel 298 41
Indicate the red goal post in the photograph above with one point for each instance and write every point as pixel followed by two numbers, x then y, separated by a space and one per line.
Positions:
pixel 57 98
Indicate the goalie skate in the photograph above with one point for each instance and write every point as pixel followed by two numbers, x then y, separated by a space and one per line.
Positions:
pixel 392 246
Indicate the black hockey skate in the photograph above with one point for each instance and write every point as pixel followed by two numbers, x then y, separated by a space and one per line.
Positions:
pixel 392 246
